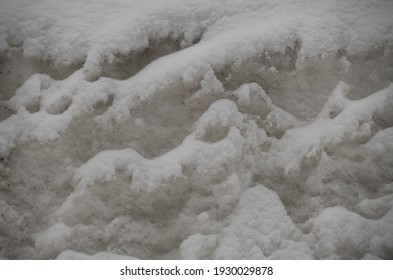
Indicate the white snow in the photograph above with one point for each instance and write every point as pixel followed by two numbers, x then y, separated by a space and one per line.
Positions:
pixel 260 228
pixel 196 129
pixel 72 255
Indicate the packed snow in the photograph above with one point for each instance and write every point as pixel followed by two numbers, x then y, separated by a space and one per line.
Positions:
pixel 203 129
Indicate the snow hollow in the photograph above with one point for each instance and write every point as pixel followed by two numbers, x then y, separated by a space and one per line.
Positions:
pixel 203 129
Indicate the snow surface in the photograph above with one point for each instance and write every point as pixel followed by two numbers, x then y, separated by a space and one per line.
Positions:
pixel 220 129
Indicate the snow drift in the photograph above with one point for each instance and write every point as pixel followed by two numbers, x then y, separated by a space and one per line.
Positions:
pixel 196 129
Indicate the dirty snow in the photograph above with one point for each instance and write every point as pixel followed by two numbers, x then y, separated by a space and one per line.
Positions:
pixel 196 129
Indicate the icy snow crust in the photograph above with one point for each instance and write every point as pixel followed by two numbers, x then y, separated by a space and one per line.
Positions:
pixel 196 129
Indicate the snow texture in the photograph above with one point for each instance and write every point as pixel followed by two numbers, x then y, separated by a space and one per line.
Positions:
pixel 203 129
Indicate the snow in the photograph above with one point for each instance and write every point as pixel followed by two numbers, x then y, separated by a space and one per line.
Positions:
pixel 72 255
pixel 260 228
pixel 196 129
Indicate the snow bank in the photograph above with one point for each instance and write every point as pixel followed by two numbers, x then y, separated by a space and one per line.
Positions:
pixel 196 129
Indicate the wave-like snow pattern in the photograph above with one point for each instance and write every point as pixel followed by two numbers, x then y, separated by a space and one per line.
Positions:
pixel 196 129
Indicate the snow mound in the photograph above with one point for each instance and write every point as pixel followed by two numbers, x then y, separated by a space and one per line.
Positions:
pixel 196 129
pixel 260 228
